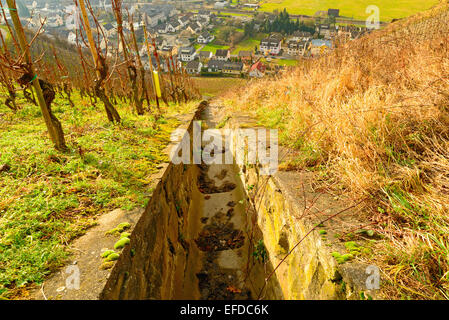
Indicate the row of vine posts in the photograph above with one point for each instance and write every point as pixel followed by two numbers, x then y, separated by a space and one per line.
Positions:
pixel 108 76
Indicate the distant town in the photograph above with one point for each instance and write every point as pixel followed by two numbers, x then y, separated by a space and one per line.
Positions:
pixel 209 39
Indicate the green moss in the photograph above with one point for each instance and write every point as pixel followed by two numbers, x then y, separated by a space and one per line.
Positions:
pixel 362 295
pixel 351 245
pixel 107 265
pixel 260 252
pixel 107 253
pixel 125 235
pixel 342 258
pixel 343 286
pixel 119 229
pixel 112 257
pixel 356 249
pixel 323 232
pixel 121 243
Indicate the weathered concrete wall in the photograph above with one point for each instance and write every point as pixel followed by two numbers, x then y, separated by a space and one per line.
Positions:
pixel 288 208
pixel 158 263
pixel 309 271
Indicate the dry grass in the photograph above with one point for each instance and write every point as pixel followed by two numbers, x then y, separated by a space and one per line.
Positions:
pixel 373 116
pixel 209 86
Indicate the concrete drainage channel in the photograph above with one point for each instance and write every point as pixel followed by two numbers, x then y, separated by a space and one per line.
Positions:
pixel 201 237
pixel 191 242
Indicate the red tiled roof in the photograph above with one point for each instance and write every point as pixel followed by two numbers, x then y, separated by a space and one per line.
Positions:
pixel 259 66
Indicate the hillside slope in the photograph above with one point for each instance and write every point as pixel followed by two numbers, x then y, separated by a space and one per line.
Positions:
pixel 372 118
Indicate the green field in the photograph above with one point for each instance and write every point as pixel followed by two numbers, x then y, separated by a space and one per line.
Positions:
pixel 351 8
pixel 214 47
pixel 281 62
pixel 229 14
pixel 246 45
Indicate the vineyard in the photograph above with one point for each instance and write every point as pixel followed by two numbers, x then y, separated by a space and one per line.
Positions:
pixel 82 129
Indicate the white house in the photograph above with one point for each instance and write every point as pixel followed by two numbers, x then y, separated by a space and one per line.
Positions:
pixel 205 37
pixel 205 14
pixel 205 55
pixel 194 67
pixel 154 17
pixel 162 28
pixel 220 5
pixel 173 26
pixel 301 36
pixel 184 20
pixel 194 27
pixel 222 55
pixel 187 54
pixel 319 47
pixel 270 46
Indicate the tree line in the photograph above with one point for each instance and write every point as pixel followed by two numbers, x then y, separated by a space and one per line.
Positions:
pixel 282 24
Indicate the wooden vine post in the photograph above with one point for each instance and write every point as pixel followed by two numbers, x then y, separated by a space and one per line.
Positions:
pixel 100 67
pixel 53 125
pixel 140 65
pixel 151 66
pixel 132 72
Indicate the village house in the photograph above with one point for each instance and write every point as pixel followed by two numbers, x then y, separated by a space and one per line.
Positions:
pixel 327 31
pixel 257 70
pixel 220 5
pixel 297 48
pixel 109 30
pixel 246 56
pixel 293 48
pixel 55 21
pixel 168 50
pixel 319 47
pixel 333 13
pixel 270 46
pixel 215 65
pixel 153 18
pixel 205 14
pixel 234 68
pixel 162 28
pixel 194 27
pixel 194 67
pixel 160 42
pixel 349 32
pixel 205 56
pixel 253 6
pixel 205 37
pixel 187 54
pixel 184 20
pixel 203 22
pixel 301 36
pixel 173 25
pixel 223 54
